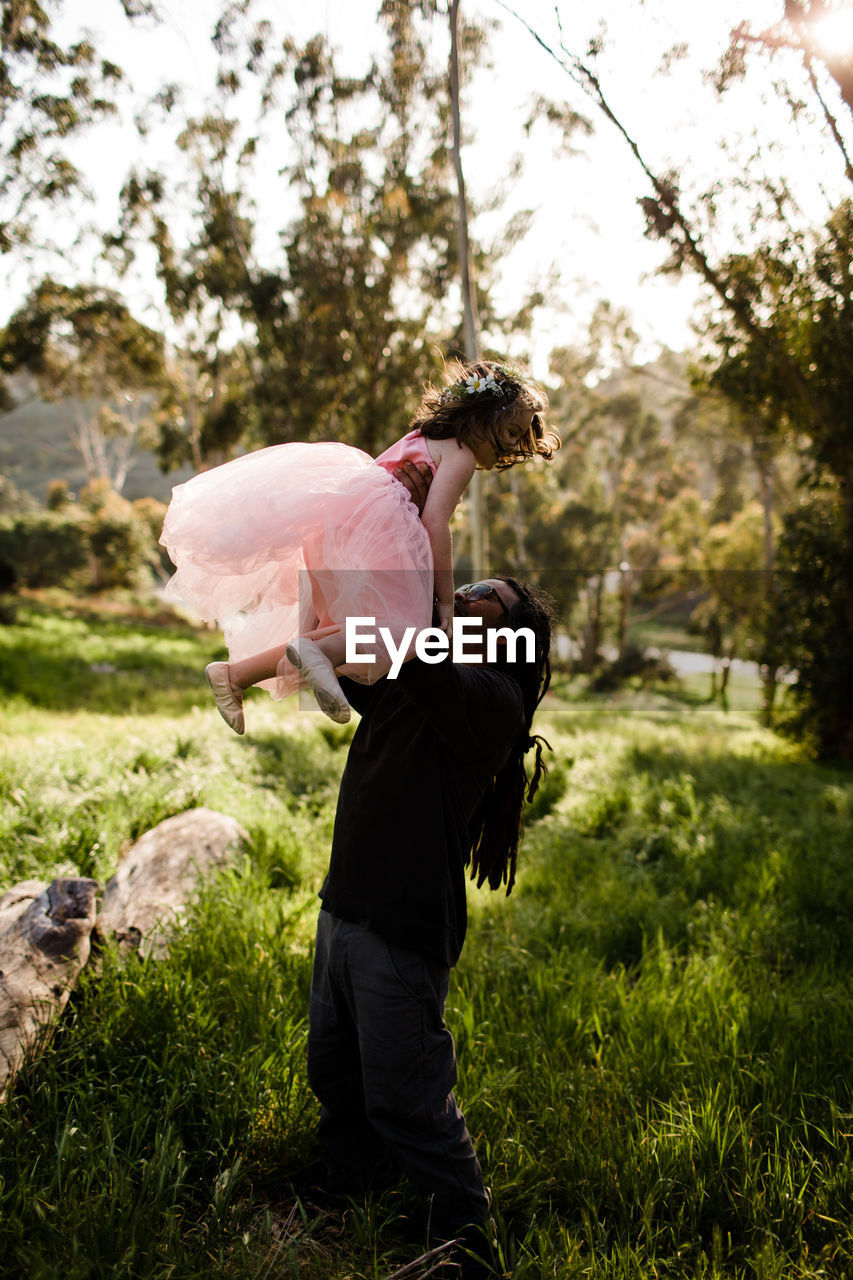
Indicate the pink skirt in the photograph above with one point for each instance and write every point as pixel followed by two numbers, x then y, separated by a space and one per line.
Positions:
pixel 297 537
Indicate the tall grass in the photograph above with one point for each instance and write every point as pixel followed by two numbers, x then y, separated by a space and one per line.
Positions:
pixel 654 1032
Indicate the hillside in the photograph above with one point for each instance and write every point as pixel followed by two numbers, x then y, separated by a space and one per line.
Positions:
pixel 35 448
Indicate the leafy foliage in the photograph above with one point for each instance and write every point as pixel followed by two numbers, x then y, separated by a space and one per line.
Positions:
pixel 82 344
pixel 48 93
pixel 809 308
pixel 346 355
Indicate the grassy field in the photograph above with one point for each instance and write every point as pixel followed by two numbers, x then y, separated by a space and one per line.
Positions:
pixel 654 1032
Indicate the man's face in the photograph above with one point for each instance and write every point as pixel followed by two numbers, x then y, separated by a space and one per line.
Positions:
pixel 489 599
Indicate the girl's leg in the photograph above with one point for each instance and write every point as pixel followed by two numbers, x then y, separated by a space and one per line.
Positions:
pixel 315 661
pixel 257 667
pixel 334 648
pixel 263 666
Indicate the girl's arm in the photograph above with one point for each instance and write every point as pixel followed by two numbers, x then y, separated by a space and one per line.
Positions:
pixel 456 465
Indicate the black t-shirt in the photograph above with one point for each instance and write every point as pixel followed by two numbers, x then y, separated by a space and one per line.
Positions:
pixel 427 746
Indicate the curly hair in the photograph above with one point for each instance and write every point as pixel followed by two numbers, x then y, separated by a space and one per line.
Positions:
pixel 496 825
pixel 449 412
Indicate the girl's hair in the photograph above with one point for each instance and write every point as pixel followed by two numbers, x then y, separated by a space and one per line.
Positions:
pixel 476 403
pixel 496 825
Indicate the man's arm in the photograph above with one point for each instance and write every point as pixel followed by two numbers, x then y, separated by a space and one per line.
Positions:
pixel 417 478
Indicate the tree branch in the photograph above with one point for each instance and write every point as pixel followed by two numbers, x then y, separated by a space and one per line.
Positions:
pixel 830 118
pixel 689 244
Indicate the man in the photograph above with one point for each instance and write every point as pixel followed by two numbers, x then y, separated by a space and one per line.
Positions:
pixel 434 782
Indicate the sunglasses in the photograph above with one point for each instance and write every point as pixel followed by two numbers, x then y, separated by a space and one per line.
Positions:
pixel 480 591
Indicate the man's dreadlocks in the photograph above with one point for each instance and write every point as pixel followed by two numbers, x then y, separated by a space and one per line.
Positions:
pixel 496 824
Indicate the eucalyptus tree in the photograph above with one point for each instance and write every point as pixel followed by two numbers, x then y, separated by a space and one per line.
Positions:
pixel 811 311
pixel 327 323
pixel 369 258
pixel 50 91
pixel 209 291
pixel 684 225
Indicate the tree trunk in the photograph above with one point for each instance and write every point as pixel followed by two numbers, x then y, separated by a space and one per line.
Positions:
pixel 770 666
pixel 769 683
pixel 592 631
pixel 518 524
pixel 715 636
pixel 725 672
pixel 624 608
pixel 469 300
pixel 843 711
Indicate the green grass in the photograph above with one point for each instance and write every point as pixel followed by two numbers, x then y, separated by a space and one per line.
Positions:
pixel 654 1032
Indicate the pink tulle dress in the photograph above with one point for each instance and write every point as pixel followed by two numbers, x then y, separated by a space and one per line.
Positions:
pixel 297 537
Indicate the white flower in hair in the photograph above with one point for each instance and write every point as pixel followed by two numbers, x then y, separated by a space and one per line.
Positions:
pixel 477 383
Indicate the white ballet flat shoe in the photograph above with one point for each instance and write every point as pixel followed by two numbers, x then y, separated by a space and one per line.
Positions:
pixel 317 671
pixel 229 700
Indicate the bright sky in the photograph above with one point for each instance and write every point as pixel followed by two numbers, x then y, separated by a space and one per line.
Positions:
pixel 588 228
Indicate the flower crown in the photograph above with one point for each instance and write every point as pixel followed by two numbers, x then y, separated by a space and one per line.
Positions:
pixel 493 383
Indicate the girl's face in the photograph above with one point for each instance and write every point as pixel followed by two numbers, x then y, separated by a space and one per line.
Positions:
pixel 516 428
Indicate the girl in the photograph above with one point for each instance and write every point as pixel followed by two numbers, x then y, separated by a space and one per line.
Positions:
pixel 289 541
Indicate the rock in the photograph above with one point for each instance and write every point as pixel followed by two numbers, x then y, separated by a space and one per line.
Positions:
pixel 45 935
pixel 161 873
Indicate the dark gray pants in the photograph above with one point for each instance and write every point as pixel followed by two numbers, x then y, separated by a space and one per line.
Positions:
pixel 383 1065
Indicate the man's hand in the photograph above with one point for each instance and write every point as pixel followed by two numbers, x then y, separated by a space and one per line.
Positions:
pixel 417 478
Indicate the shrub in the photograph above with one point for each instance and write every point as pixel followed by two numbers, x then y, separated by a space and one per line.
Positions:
pixel 44 549
pixel 71 547
pixel 634 663
pixel 59 495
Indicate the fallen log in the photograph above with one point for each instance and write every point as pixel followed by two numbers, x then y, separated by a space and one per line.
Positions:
pixel 158 877
pixel 46 930
pixel 45 939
